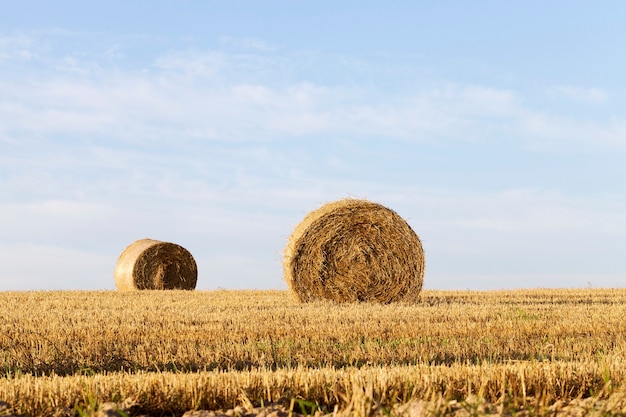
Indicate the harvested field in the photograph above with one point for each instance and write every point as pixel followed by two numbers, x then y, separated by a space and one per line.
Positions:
pixel 171 352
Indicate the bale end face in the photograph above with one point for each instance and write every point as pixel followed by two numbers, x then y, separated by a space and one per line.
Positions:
pixel 150 264
pixel 354 250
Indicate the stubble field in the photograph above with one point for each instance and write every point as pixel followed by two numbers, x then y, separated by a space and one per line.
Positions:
pixel 524 352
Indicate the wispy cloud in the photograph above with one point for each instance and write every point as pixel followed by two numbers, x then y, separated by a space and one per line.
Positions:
pixel 559 133
pixel 215 95
pixel 164 105
pixel 17 46
pixel 218 150
pixel 254 44
pixel 194 63
pixel 579 94
pixel 29 266
pixel 237 234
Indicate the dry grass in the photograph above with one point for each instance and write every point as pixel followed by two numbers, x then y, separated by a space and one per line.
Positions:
pixel 510 385
pixel 354 250
pixel 179 350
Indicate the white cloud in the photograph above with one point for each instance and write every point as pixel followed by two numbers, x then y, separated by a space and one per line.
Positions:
pixel 193 63
pixel 35 266
pixel 476 100
pixel 18 46
pixel 201 150
pixel 210 94
pixel 518 239
pixel 195 95
pixel 579 94
pixel 524 237
pixel 247 43
pixel 530 212
pixel 573 135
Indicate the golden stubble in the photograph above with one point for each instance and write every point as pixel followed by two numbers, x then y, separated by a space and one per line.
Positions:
pixel 186 350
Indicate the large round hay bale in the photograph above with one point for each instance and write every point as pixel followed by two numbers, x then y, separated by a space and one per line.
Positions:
pixel 354 250
pixel 154 265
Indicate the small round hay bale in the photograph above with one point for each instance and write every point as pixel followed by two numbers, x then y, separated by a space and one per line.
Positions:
pixel 354 250
pixel 154 265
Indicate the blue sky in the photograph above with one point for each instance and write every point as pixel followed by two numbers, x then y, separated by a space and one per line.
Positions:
pixel 497 130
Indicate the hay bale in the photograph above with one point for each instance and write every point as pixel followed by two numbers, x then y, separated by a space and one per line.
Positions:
pixel 154 265
pixel 354 250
